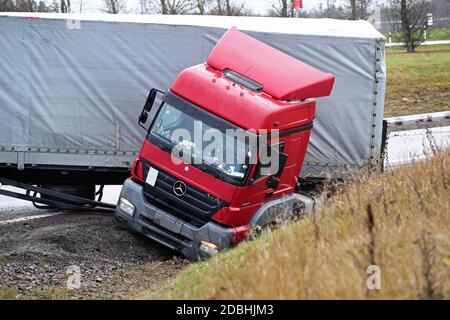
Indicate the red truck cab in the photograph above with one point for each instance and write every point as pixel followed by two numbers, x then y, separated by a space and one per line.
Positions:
pixel 198 204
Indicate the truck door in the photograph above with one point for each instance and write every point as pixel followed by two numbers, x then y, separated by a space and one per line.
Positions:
pixel 265 184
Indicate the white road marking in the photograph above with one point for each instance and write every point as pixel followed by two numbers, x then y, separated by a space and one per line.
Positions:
pixel 24 219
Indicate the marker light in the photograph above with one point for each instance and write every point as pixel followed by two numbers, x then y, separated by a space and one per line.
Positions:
pixel 126 206
pixel 208 248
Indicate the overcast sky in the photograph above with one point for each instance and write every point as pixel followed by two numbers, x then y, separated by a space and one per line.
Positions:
pixel 259 6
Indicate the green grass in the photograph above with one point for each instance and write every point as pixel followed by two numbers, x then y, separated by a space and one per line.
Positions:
pixel 187 286
pixel 49 293
pixel 439 34
pixel 7 293
pixel 432 35
pixel 418 82
pixel 326 256
pixel 41 293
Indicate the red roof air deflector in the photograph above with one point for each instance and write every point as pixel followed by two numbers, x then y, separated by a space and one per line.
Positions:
pixel 283 77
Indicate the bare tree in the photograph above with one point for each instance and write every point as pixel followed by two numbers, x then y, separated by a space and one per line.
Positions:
pixel 26 5
pixel 114 6
pixel 230 8
pixel 412 15
pixel 23 6
pixel 65 6
pixel 147 6
pixel 43 7
pixel 167 6
pixel 358 9
pixel 202 6
pixel 328 9
pixel 6 5
pixel 179 6
pixel 164 8
pixel 282 8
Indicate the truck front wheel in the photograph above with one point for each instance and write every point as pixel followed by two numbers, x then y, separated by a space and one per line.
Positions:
pixel 265 230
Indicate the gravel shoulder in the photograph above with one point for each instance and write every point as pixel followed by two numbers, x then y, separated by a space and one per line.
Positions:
pixel 37 258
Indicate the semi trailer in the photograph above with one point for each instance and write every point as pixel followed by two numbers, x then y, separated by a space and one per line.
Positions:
pixel 71 86
pixel 198 201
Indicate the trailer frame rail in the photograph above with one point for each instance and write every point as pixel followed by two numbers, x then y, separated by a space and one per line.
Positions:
pixel 55 200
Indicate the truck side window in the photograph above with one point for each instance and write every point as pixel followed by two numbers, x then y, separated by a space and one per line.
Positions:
pixel 258 172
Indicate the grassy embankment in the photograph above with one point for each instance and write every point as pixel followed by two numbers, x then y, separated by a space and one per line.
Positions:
pixel 398 220
pixel 418 82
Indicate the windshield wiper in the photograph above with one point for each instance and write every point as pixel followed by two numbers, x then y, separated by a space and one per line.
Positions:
pixel 167 145
pixel 212 170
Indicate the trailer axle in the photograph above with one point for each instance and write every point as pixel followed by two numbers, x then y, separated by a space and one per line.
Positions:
pixel 55 199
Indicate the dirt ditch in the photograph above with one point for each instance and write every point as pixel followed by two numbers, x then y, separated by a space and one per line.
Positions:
pixel 39 257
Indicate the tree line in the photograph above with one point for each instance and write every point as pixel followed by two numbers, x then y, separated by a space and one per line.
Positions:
pixel 63 6
pixel 409 15
pixel 345 9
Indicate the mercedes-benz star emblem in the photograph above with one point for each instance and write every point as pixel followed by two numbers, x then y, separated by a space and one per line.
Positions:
pixel 179 188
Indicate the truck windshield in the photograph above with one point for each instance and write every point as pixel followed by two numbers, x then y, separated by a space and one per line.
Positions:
pixel 207 141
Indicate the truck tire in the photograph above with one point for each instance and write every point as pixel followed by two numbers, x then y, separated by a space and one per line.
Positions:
pixel 268 229
pixel 263 231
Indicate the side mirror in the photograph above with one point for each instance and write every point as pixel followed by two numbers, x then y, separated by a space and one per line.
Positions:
pixel 150 100
pixel 143 117
pixel 148 106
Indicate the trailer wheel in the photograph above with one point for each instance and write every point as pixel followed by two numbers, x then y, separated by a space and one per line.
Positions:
pixel 86 192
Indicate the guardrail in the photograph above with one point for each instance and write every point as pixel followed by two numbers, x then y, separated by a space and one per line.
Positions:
pixel 419 121
pixel 425 43
pixel 414 145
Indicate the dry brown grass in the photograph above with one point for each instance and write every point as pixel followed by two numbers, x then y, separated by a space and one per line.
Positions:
pixel 399 221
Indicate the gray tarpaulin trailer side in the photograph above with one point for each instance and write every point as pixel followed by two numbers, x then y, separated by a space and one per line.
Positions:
pixel 72 87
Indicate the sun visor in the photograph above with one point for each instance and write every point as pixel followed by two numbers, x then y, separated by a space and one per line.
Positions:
pixel 282 76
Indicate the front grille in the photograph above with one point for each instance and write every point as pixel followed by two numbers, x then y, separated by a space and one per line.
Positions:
pixel 169 236
pixel 195 206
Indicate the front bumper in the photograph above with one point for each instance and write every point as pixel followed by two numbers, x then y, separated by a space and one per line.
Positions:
pixel 166 229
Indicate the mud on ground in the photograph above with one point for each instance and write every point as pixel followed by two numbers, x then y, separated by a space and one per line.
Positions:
pixel 114 263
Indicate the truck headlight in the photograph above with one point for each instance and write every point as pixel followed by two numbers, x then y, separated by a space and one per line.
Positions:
pixel 126 206
pixel 208 248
